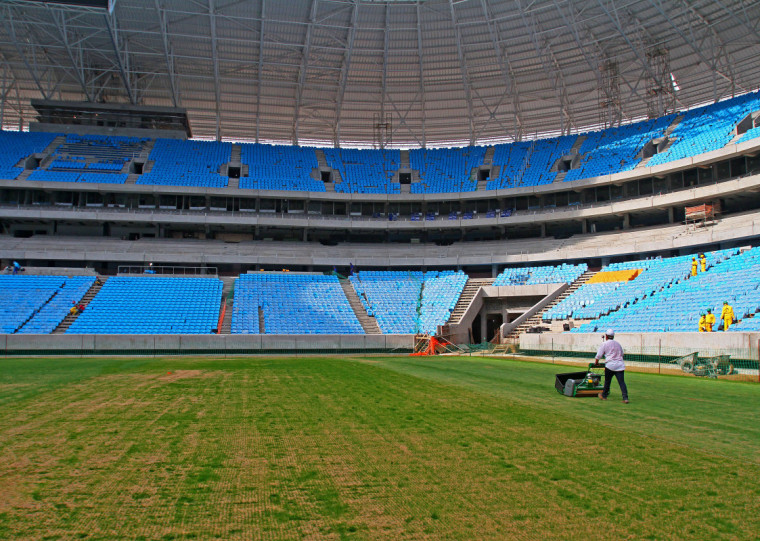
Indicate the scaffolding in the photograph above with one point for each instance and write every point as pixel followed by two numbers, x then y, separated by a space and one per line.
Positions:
pixel 610 102
pixel 660 91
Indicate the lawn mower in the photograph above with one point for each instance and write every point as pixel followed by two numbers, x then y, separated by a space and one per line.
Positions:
pixel 588 383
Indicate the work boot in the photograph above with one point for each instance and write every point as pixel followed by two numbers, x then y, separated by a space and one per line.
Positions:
pixel 601 396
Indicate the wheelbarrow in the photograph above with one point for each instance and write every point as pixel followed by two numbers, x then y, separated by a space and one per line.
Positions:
pixel 588 383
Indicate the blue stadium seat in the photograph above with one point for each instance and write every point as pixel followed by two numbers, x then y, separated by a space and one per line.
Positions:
pixel 406 302
pixel 663 298
pixel 37 304
pixel 16 146
pixel 187 163
pixel 546 274
pixel 279 167
pixel 292 303
pixel 152 305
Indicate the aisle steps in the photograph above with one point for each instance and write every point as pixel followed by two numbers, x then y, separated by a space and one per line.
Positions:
pixel 368 323
pixel 70 318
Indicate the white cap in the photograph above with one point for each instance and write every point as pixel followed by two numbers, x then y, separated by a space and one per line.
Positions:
pixel 610 332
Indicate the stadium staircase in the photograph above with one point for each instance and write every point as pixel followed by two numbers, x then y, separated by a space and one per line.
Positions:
pixel 536 319
pixel 321 160
pixel 262 330
pixel 488 157
pixel 368 323
pixel 673 125
pixel 25 174
pixel 465 299
pixel 70 318
pixel 525 164
pixel 404 162
pixel 235 154
pixel 228 294
pixel 54 144
pixel 322 163
pixel 668 131
pixel 575 149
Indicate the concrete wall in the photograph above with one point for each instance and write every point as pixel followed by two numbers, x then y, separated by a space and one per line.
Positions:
pixel 212 344
pixel 537 290
pixel 736 344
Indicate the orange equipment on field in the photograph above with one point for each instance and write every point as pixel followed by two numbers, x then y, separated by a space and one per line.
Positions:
pixel 424 344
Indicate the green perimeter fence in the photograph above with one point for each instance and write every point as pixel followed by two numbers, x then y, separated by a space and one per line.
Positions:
pixel 735 363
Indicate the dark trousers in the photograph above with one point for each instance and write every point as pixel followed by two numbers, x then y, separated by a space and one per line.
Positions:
pixel 620 375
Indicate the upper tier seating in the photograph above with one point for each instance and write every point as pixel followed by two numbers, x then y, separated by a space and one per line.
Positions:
pixel 405 302
pixel 529 163
pixel 547 274
pixel 15 146
pixel 276 167
pixel 152 305
pixel 544 155
pixel 91 158
pixel 663 299
pixel 616 149
pixel 749 134
pixel 511 158
pixel 444 170
pixel 187 163
pixel 365 171
pixel 69 176
pixel 707 128
pixel 292 304
pixel 97 152
pixel 279 167
pixel 37 304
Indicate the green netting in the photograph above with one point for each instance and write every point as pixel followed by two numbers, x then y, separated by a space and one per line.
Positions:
pixel 736 363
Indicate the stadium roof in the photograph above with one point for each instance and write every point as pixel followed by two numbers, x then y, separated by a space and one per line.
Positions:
pixel 360 72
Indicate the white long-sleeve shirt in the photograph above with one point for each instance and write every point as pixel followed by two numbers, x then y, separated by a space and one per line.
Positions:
pixel 612 352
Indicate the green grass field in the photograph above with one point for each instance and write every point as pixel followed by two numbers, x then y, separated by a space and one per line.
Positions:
pixel 368 448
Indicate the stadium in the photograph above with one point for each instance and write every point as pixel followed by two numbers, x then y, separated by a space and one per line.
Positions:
pixel 311 269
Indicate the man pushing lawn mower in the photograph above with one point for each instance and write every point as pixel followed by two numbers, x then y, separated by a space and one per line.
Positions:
pixel 612 352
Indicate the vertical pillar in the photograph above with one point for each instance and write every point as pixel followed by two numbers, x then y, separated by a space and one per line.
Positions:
pixel 584 226
pixel 671 217
pixel 626 221
pixel 494 270
pixel 483 320
pixel 543 230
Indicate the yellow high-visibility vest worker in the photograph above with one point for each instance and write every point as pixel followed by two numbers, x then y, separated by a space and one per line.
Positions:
pixel 709 320
pixel 727 315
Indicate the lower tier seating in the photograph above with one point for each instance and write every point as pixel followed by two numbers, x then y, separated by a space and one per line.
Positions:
pixel 666 298
pixel 405 302
pixel 37 304
pixel 152 305
pixel 54 311
pixel 546 274
pixel 292 303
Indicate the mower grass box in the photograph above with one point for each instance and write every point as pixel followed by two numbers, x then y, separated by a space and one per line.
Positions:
pixel 588 383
